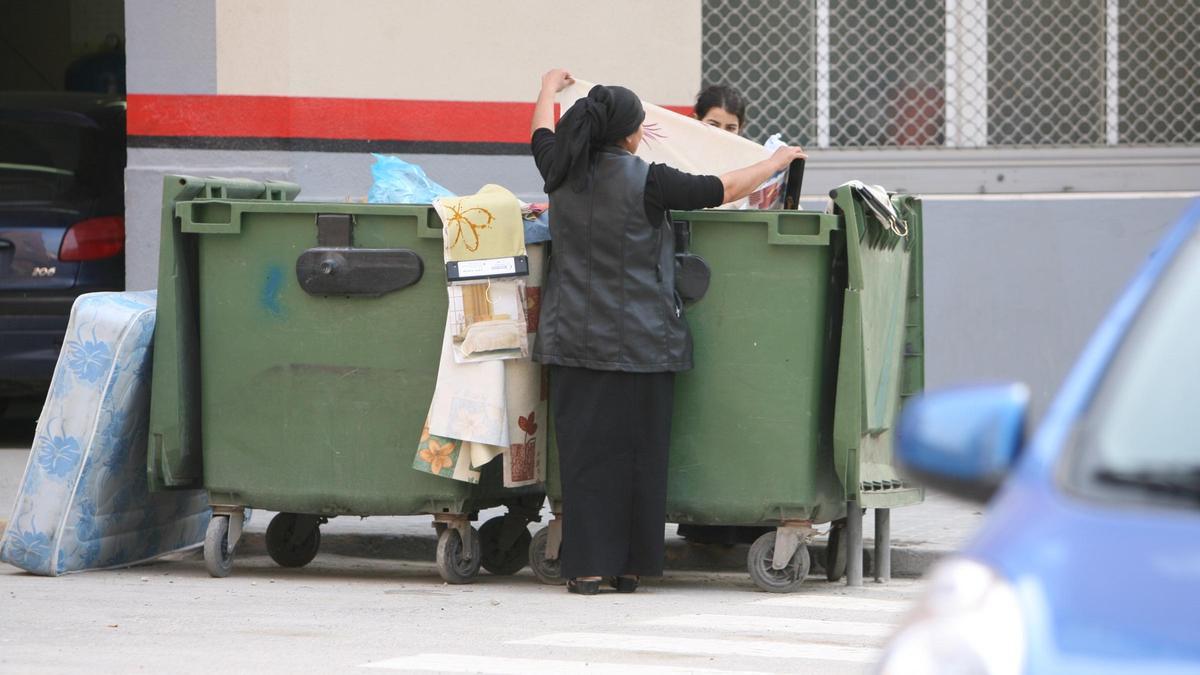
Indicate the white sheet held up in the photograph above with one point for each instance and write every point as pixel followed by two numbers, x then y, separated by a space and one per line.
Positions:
pixel 684 142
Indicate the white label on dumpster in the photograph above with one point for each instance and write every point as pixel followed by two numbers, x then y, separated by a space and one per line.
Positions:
pixel 487 268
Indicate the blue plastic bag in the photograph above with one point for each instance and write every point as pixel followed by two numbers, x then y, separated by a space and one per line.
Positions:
pixel 396 181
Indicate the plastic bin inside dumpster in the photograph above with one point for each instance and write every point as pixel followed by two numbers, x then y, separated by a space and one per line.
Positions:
pixel 309 398
pixel 808 342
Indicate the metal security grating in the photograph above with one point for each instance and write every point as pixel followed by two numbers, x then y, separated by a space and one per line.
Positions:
pixel 1159 72
pixel 765 50
pixel 887 74
pixel 1045 73
pixel 961 73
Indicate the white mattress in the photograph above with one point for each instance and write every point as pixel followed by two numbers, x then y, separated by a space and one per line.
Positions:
pixel 84 502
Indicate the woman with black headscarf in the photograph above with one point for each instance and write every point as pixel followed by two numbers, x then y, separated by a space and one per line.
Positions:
pixel 611 327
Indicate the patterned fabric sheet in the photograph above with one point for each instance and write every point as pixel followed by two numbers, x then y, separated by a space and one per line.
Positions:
pixel 487 407
pixel 692 146
pixel 84 502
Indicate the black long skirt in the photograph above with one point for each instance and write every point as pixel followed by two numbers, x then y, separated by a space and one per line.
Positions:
pixel 614 431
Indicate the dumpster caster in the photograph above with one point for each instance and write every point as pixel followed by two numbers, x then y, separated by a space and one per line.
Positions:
pixel 293 539
pixel 454 562
pixel 500 557
pixel 835 553
pixel 218 552
pixel 762 571
pixel 545 569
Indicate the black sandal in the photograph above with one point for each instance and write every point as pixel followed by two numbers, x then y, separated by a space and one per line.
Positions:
pixel 583 586
pixel 624 584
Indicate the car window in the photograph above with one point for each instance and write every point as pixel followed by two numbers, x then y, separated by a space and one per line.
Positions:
pixel 1139 434
pixel 40 146
pixel 45 154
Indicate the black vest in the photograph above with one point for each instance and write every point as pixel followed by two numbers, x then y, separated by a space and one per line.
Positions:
pixel 609 301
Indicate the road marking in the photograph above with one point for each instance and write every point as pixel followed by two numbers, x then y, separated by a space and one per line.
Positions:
pixel 724 622
pixel 838 602
pixel 705 647
pixel 464 663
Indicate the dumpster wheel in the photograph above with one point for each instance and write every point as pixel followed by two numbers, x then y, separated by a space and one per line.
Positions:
pixel 547 571
pixel 835 552
pixel 769 579
pixel 498 559
pixel 218 554
pixel 293 539
pixel 452 564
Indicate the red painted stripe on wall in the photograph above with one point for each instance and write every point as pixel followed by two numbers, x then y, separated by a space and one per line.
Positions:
pixel 224 116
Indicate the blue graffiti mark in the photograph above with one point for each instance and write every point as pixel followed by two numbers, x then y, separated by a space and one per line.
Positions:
pixel 270 291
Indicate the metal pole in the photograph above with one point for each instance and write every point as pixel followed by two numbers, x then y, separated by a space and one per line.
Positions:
pixel 883 545
pixel 1112 70
pixel 854 544
pixel 822 73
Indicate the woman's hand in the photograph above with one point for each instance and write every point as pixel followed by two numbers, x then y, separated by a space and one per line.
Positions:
pixel 784 156
pixel 743 181
pixel 553 82
pixel 556 80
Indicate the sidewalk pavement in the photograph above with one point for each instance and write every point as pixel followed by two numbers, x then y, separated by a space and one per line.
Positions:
pixel 920 534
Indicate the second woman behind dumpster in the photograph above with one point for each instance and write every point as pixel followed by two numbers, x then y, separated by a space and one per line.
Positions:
pixel 721 107
pixel 612 328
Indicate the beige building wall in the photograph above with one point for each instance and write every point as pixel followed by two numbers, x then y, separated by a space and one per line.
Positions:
pixel 468 50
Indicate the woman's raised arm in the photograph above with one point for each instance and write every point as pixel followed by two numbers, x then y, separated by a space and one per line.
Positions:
pixel 553 82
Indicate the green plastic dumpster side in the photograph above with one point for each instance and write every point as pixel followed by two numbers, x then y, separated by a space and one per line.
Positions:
pixel 750 435
pixel 316 404
pixel 175 436
pixel 881 354
pixel 749 426
pixel 276 398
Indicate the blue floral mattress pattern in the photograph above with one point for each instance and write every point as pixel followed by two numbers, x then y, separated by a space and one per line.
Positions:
pixel 84 502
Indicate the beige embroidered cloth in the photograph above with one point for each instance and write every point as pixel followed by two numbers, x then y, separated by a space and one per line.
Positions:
pixel 484 225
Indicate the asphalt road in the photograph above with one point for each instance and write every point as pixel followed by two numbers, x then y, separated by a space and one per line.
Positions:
pixel 357 616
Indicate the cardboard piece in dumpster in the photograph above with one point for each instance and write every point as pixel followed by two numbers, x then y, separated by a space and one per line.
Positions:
pixel 84 502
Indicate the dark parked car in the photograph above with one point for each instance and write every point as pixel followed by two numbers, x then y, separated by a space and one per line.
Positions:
pixel 62 223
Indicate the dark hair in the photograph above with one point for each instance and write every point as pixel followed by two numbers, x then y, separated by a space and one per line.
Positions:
pixel 720 96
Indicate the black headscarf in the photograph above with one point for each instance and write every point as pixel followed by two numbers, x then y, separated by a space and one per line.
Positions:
pixel 605 115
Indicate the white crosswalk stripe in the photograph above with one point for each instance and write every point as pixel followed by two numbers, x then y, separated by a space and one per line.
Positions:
pixel 774 624
pixel 704 646
pixel 460 663
pixel 839 602
pixel 714 639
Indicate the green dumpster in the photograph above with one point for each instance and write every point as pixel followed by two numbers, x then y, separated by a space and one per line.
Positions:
pixel 300 384
pixel 806 345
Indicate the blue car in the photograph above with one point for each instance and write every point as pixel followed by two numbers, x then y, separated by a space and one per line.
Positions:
pixel 62 225
pixel 1089 559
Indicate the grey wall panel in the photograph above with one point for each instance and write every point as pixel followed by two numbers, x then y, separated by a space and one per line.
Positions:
pixel 1007 170
pixel 171 46
pixel 1013 289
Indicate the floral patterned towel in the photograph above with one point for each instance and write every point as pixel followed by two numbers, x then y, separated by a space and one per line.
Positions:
pixel 84 502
